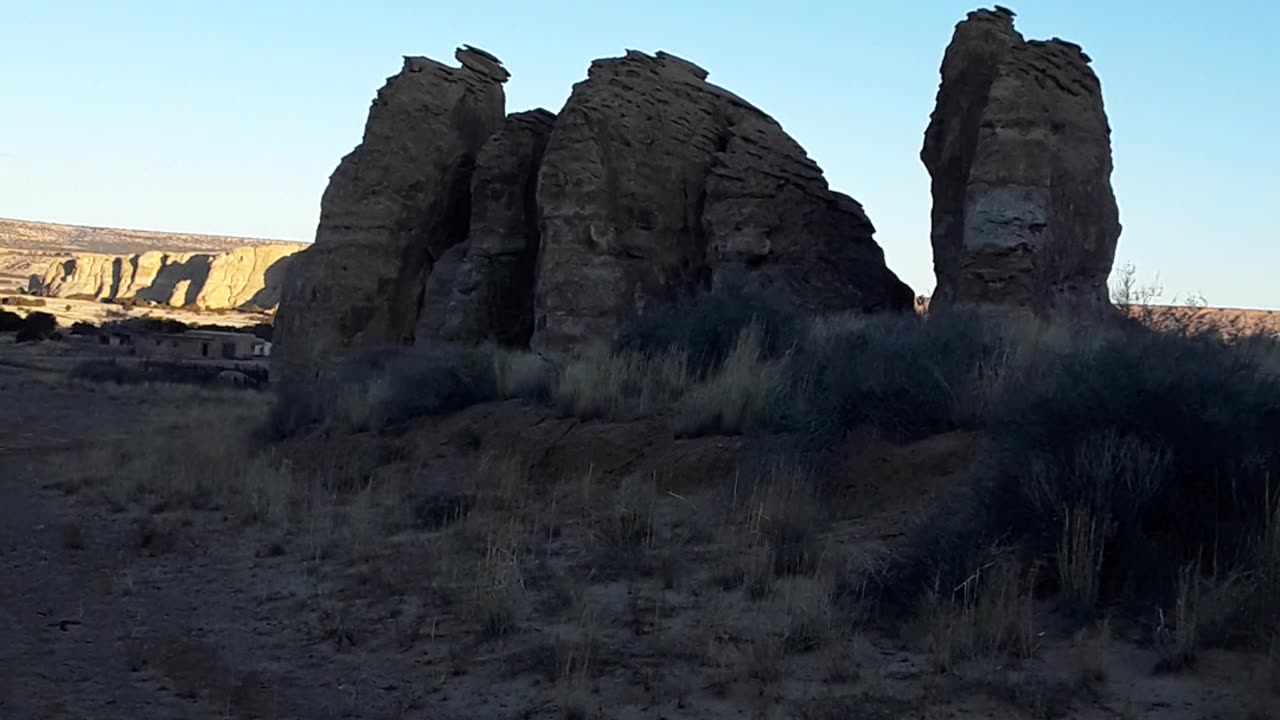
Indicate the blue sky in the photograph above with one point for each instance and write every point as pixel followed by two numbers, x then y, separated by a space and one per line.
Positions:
pixel 228 117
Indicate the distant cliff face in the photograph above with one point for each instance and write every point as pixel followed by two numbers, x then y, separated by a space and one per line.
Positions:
pixel 246 278
pixel 180 269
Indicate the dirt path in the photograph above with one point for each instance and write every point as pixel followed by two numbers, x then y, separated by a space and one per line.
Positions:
pixel 90 627
pixel 63 653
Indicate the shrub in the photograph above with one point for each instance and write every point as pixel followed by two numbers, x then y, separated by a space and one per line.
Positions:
pixel 132 373
pixel 100 371
pixel 905 375
pixel 23 302
pixel 739 397
pixel 1123 462
pixel 37 326
pixel 523 375
pixel 705 328
pixel 621 385
pixel 385 387
pixel 147 325
pixel 262 330
pixel 10 322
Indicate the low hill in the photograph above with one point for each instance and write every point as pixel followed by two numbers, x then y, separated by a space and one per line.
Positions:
pixel 45 238
pixel 203 271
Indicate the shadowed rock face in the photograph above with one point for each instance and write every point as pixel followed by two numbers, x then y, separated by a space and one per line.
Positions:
pixel 657 183
pixel 451 221
pixel 485 292
pixel 392 209
pixel 1019 150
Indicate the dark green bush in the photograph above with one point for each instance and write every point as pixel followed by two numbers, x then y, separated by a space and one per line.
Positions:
pixel 383 388
pixel 1169 445
pixel 146 325
pixel 19 301
pixel 10 322
pixel 132 373
pixel 904 375
pixel 705 327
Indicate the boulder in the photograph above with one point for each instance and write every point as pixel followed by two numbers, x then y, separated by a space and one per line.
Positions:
pixel 1019 151
pixel 392 209
pixel 485 291
pixel 656 183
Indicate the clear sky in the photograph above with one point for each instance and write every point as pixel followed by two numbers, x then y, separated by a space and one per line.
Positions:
pixel 227 117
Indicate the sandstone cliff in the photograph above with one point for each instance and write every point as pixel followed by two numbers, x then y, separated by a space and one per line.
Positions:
pixel 244 278
pixel 452 221
pixel 28 249
pixel 1019 150
pixel 657 183
pixel 487 294
pixel 392 209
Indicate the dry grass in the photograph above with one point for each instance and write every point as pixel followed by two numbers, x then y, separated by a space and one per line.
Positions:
pixel 523 374
pixel 1080 556
pixel 992 614
pixel 809 618
pixel 498 600
pixel 1089 654
pixel 773 529
pixel 191 460
pixel 513 553
pixel 784 511
pixel 622 531
pixel 737 397
pixel 1263 692
pixel 620 386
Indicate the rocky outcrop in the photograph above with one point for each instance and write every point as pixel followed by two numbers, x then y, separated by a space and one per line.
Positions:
pixel 246 278
pixel 393 207
pixel 452 222
pixel 771 221
pixel 657 183
pixel 487 293
pixel 1019 150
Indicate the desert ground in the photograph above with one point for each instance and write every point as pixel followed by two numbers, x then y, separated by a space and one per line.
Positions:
pixel 188 552
pixel 69 311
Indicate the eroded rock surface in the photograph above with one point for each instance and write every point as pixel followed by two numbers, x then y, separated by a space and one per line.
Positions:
pixel 453 222
pixel 393 207
pixel 1019 150
pixel 246 278
pixel 656 183
pixel 486 292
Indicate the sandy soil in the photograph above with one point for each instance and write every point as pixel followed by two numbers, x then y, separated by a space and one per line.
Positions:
pixel 368 603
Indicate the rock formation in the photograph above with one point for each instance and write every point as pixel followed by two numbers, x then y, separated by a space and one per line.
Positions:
pixel 452 222
pixel 487 294
pixel 392 208
pixel 656 182
pixel 245 278
pixel 1019 150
